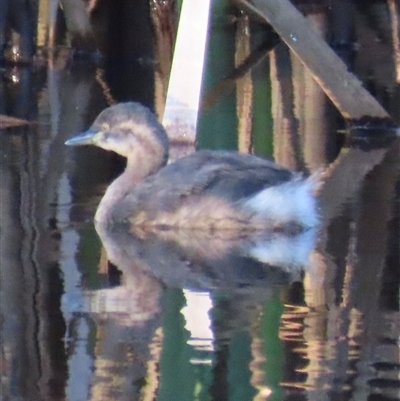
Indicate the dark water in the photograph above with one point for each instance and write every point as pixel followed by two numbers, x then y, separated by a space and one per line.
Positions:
pixel 193 317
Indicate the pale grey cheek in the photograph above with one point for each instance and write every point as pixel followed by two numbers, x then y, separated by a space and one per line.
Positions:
pixel 108 144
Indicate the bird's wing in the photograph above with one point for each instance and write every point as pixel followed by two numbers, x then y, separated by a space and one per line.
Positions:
pixel 227 175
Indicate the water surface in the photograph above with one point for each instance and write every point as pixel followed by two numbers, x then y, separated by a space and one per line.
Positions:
pixel 191 317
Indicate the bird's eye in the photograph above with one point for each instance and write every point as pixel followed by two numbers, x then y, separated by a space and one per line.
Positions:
pixel 105 127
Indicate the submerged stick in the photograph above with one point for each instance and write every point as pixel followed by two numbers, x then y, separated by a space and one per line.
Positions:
pixel 341 86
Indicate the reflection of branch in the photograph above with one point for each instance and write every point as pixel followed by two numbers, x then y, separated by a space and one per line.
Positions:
pixel 164 23
pixel 394 18
pixel 104 86
pixel 287 149
pixel 149 392
pixel 228 83
pixel 254 57
pixel 244 86
pixel 345 177
pixel 342 87
pixel 361 242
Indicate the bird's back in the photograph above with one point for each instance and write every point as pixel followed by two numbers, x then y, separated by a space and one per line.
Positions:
pixel 205 190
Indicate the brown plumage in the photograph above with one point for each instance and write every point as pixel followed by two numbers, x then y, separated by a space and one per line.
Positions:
pixel 210 190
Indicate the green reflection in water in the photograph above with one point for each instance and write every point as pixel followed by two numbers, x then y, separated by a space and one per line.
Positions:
pixel 262 137
pixel 273 347
pixel 180 379
pixel 88 256
pixel 217 126
pixel 218 121
pixel 239 373
pixel 178 8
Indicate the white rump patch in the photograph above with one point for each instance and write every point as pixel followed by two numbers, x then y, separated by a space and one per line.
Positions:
pixel 292 201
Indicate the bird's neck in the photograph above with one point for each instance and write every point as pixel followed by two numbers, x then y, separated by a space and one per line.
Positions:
pixel 138 167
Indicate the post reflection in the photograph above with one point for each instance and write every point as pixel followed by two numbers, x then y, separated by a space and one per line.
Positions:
pixel 224 281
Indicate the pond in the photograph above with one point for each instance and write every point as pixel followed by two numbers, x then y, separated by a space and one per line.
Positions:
pixel 93 314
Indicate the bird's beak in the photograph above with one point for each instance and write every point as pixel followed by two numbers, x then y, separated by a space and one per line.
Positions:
pixel 89 137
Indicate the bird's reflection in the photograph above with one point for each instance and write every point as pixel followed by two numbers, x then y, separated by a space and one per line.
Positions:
pixel 226 279
pixel 197 261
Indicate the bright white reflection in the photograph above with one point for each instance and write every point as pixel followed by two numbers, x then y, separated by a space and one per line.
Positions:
pixel 198 323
